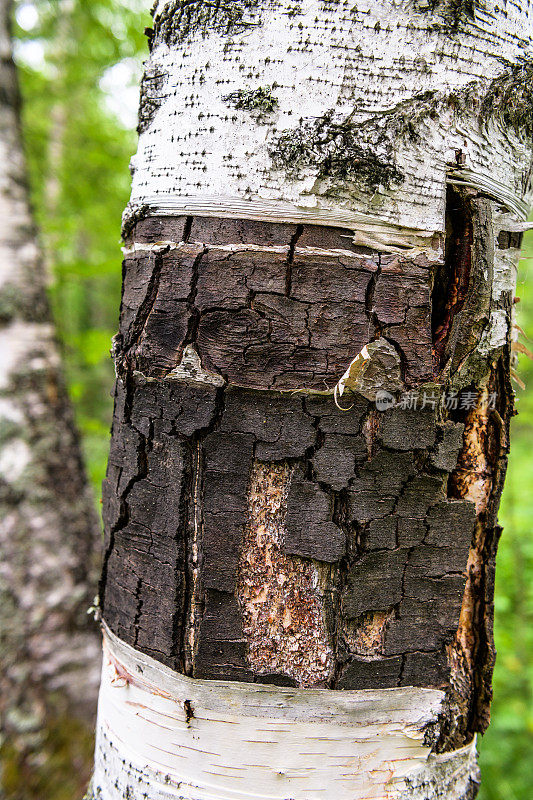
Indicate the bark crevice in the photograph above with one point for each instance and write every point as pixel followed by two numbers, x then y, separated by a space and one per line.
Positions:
pixel 452 279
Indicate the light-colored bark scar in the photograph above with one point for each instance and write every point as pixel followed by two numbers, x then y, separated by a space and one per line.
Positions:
pixel 472 480
pixel 366 636
pixel 281 597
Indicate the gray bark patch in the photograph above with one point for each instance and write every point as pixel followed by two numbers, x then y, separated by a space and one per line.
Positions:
pixel 152 98
pixel 182 19
pixel 333 148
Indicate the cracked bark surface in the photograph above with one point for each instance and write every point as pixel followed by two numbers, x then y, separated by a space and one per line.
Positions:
pixel 285 315
pixel 255 532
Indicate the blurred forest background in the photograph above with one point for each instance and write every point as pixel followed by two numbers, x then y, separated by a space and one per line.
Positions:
pixel 79 64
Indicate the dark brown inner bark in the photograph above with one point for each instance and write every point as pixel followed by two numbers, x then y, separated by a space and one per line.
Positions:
pixel 370 502
pixel 452 278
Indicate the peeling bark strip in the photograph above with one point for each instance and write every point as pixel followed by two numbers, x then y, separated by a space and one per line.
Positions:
pixel 264 742
pixel 326 206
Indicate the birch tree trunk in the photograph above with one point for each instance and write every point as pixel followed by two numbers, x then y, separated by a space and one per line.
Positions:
pixel 313 399
pixel 49 532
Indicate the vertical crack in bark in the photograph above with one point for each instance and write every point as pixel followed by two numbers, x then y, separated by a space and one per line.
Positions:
pixel 188 617
pixel 138 612
pixel 401 353
pixel 451 281
pixel 187 229
pixel 373 320
pixel 336 577
pixel 194 313
pixel 179 652
pixel 141 473
pixel 188 604
pixel 371 426
pixel 402 669
pixel 290 259
pixel 339 573
pixel 146 306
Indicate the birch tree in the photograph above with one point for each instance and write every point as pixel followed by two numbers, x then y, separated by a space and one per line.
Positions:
pixel 313 399
pixel 49 533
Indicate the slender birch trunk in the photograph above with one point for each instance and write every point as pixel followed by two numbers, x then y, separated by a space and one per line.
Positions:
pixel 313 399
pixel 49 532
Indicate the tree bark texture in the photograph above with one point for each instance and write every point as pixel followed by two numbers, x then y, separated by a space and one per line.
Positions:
pixel 49 532
pixel 316 182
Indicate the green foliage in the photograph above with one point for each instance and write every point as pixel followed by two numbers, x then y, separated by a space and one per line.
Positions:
pixel 78 153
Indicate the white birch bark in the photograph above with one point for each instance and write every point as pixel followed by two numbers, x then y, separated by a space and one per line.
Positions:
pixel 379 66
pixel 243 104
pixel 49 533
pixel 165 736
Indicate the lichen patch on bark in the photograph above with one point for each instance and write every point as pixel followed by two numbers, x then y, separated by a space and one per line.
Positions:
pixel 180 20
pixel 280 596
pixel 260 100
pixel 336 150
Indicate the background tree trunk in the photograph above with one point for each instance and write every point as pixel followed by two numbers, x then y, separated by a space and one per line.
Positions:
pixel 311 179
pixel 49 532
